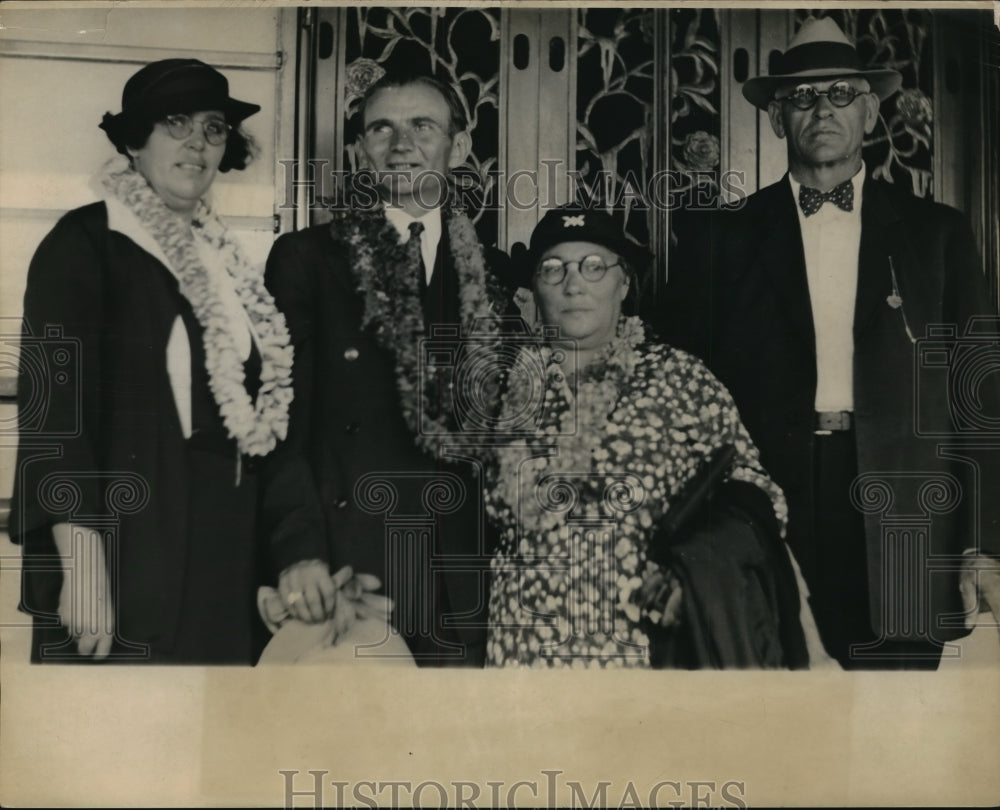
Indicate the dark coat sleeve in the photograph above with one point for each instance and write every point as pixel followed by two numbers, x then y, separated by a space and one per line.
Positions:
pixel 291 514
pixel 965 292
pixel 966 297
pixel 59 375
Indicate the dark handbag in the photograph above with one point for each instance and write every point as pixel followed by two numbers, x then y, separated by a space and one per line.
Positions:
pixel 692 502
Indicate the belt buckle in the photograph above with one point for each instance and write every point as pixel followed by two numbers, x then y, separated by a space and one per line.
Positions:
pixel 829 421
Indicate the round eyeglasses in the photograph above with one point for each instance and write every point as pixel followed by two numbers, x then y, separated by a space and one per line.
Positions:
pixel 181 126
pixel 591 268
pixel 805 96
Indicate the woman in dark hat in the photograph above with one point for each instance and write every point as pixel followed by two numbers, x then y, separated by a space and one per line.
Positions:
pixel 155 371
pixel 611 436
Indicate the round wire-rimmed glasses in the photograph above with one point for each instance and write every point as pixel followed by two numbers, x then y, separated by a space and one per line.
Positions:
pixel 591 268
pixel 180 126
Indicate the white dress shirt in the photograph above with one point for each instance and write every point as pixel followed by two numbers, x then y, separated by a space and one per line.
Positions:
pixel 429 237
pixel 832 241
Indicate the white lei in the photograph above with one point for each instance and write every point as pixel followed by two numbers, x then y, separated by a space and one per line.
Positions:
pixel 256 428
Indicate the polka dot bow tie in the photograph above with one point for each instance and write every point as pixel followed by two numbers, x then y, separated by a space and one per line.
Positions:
pixel 811 199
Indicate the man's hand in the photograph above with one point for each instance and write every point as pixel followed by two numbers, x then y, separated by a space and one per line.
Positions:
pixel 308 590
pixel 979 583
pixel 368 605
pixel 352 599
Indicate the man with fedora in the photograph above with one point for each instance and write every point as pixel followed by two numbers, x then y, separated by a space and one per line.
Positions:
pixel 819 289
pixel 361 295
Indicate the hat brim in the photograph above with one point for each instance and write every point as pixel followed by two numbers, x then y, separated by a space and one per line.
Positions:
pixel 759 90
pixel 234 109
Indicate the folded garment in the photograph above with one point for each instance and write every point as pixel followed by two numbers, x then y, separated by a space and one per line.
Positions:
pixel 740 600
pixel 368 641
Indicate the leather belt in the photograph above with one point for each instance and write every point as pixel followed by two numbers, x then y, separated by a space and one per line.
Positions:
pixel 830 421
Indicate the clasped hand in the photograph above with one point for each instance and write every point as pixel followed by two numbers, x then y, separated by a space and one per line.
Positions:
pixel 308 593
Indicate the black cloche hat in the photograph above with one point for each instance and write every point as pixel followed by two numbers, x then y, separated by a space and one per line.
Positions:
pixel 174 86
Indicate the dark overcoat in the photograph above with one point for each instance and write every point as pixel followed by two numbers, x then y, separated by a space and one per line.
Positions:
pixel 101 445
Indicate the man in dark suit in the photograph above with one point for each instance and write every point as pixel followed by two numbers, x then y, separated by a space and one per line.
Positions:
pixel 820 289
pixel 359 294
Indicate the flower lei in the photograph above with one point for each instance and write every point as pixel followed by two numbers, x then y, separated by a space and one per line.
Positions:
pixel 387 281
pixel 573 447
pixel 256 427
pixel 614 427
pixel 582 426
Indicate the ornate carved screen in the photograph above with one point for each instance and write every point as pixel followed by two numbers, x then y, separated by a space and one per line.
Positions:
pixel 637 107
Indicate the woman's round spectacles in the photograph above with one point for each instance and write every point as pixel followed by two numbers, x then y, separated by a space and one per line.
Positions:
pixel 805 96
pixel 181 126
pixel 591 268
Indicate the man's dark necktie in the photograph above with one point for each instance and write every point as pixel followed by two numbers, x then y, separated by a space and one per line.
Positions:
pixel 811 199
pixel 416 254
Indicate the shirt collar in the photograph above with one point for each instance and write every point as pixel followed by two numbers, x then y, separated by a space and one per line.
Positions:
pixel 857 181
pixel 401 220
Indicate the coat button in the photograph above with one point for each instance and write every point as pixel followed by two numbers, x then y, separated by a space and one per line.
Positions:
pixel 351 354
pixel 340 503
pixel 351 427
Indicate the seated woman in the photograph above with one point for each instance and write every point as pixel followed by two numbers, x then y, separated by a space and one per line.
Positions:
pixel 625 432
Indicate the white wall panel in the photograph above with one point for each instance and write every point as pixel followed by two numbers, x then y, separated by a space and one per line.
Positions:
pixel 62 69
pixel 52 102
pixel 207 29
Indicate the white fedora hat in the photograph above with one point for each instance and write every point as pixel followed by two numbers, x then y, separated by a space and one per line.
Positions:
pixel 818 50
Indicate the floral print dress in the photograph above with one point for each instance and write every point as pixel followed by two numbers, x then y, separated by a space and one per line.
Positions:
pixel 578 500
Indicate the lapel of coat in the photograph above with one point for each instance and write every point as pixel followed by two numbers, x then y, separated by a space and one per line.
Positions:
pixel 439 270
pixel 878 224
pixel 886 251
pixel 783 258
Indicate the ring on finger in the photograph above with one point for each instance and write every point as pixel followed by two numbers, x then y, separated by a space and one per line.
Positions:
pixel 293 597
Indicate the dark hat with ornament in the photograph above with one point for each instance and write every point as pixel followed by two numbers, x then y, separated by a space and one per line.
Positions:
pixel 574 223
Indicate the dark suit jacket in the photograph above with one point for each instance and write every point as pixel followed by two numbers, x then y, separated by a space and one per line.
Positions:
pixel 347 429
pixel 746 309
